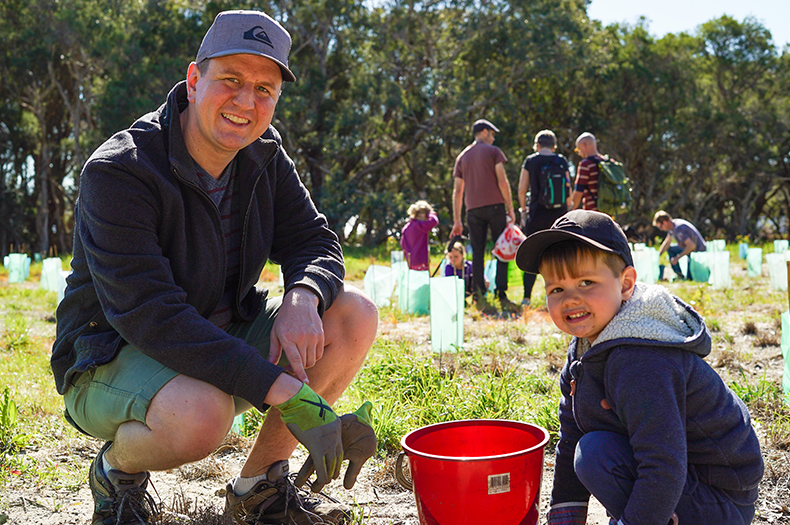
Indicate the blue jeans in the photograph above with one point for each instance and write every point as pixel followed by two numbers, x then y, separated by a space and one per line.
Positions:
pixel 674 250
pixel 605 464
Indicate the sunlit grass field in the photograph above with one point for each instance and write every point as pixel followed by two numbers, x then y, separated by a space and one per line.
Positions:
pixel 408 385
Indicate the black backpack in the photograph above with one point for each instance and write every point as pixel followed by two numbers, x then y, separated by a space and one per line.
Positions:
pixel 553 186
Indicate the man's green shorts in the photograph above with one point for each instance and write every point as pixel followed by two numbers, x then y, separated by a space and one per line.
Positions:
pixel 101 399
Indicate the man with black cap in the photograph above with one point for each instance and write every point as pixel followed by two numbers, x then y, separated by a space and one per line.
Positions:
pixel 481 183
pixel 162 336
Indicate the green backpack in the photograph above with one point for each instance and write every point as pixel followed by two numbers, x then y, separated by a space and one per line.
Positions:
pixel 614 188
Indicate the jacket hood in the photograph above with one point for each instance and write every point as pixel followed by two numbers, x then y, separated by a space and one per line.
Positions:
pixel 653 317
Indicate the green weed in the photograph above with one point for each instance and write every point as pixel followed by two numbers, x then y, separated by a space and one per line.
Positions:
pixel 16 335
pixel 12 440
pixel 761 390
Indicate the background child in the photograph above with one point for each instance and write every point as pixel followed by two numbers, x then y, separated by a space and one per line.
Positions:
pixel 414 236
pixel 459 266
pixel 646 426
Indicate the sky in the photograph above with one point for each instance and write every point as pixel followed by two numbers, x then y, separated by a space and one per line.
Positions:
pixel 675 16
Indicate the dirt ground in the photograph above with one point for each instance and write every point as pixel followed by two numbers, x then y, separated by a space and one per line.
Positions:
pixel 382 501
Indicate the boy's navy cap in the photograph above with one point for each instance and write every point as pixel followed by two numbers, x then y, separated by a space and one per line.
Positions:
pixel 592 227
pixel 482 124
pixel 247 32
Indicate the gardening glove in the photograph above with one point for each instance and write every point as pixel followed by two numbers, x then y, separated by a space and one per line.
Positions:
pixel 359 444
pixel 313 422
pixel 359 441
pixel 567 515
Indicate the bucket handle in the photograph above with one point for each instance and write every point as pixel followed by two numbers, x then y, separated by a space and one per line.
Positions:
pixel 399 476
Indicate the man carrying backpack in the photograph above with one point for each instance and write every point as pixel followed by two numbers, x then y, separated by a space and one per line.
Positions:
pixel 585 191
pixel 601 182
pixel 546 179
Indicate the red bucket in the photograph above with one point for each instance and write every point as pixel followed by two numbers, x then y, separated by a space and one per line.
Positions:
pixel 476 471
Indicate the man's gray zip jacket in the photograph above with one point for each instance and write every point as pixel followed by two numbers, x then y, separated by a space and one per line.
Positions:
pixel 149 256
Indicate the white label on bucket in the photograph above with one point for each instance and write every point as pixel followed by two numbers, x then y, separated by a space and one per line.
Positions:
pixel 499 483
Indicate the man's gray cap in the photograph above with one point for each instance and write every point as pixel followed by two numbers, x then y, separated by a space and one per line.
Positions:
pixel 247 32
pixel 482 124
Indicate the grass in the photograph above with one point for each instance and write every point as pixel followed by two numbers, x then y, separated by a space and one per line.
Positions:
pixel 408 385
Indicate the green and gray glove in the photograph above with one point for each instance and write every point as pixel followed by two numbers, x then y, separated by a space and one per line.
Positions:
pixel 359 444
pixel 359 441
pixel 313 422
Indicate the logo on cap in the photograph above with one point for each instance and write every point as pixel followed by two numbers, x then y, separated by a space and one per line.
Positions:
pixel 259 35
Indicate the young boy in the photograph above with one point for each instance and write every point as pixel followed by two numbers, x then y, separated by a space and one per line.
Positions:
pixel 646 425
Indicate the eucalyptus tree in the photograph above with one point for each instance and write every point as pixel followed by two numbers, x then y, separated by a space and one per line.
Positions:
pixel 386 95
pixel 746 125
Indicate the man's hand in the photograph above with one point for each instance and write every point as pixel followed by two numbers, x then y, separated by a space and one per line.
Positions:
pixel 313 422
pixel 511 214
pixel 298 332
pixel 359 444
pixel 458 229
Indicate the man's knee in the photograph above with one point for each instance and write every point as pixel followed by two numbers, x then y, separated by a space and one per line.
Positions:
pixel 353 317
pixel 193 416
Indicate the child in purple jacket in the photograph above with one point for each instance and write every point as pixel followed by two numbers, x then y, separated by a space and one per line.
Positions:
pixel 414 236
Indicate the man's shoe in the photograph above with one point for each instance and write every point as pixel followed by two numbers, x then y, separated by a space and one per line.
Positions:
pixel 483 305
pixel 120 498
pixel 508 305
pixel 276 500
pixel 525 302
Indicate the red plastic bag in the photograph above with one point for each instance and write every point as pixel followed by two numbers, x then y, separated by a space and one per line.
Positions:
pixel 508 242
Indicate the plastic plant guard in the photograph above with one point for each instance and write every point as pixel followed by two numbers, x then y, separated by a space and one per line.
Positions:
pixel 716 245
pixel 238 423
pixel 786 354
pixel 700 266
pixel 379 284
pixel 399 269
pixel 490 273
pixel 743 250
pixel 781 245
pixel 720 270
pixel 447 313
pixel 18 265
pixel 396 257
pixel 754 262
pixel 646 265
pixel 62 284
pixel 50 273
pixel 684 265
pixel 777 270
pixel 415 293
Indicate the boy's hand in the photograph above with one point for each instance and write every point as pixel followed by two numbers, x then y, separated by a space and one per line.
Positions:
pixel 571 515
pixel 359 444
pixel 313 422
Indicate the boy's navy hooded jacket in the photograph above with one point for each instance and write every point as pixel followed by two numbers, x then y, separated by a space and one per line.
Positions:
pixel 647 364
pixel 149 256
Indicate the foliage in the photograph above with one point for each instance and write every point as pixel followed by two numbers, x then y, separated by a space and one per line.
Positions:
pixel 11 440
pixel 408 391
pixel 385 95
